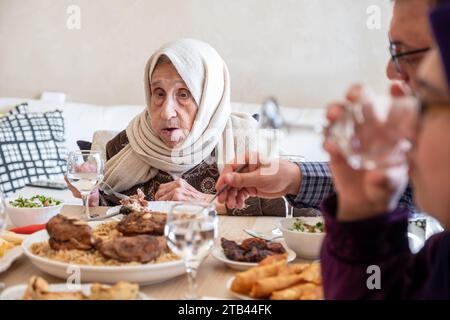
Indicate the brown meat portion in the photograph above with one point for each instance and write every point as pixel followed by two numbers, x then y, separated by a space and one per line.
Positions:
pixel 142 248
pixel 69 233
pixel 251 249
pixel 137 223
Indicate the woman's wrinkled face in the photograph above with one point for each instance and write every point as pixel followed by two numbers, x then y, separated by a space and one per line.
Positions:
pixel 430 159
pixel 172 106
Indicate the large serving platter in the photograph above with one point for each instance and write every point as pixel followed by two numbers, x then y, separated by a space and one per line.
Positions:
pixel 143 274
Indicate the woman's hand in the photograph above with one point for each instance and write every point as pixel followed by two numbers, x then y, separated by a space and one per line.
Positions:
pixel 94 197
pixel 258 179
pixel 362 193
pixel 180 190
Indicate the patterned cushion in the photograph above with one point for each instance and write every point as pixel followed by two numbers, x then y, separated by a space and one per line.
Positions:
pixel 31 147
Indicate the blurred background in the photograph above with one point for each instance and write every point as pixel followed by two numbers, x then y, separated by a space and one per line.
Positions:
pixel 303 52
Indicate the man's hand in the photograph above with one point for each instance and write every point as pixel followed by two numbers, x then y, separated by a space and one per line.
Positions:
pixel 180 190
pixel 362 193
pixel 257 180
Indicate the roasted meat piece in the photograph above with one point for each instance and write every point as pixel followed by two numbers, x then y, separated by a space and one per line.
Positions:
pixel 69 233
pixel 250 243
pixel 135 223
pixel 142 248
pixel 251 249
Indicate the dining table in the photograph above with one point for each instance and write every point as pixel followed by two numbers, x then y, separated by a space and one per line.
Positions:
pixel 212 276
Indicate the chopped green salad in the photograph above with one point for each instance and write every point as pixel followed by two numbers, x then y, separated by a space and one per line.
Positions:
pixel 300 225
pixel 35 202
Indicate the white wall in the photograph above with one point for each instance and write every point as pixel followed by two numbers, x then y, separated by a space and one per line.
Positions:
pixel 305 52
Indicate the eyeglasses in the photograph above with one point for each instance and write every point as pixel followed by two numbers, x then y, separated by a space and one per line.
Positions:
pixel 397 55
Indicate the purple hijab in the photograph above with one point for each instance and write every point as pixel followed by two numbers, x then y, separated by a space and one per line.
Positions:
pixel 440 22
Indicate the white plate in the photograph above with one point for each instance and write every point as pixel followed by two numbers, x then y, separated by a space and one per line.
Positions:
pixel 143 274
pixel 161 206
pixel 10 256
pixel 237 265
pixel 235 294
pixel 17 292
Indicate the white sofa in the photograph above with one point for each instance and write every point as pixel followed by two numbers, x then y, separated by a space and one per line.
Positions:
pixel 82 120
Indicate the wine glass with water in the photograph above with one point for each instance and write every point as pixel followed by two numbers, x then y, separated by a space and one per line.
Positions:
pixel 297 159
pixel 191 230
pixel 85 172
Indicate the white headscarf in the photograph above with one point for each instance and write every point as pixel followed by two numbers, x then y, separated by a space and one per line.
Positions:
pixel 215 126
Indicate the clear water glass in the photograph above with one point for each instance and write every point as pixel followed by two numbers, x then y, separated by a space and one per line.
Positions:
pixel 297 159
pixel 376 132
pixel 191 230
pixel 85 172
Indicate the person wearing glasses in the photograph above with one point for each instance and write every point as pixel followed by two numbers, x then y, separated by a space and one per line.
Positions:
pixel 365 254
pixel 410 39
pixel 364 236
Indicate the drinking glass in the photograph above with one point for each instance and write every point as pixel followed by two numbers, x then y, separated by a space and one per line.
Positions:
pixel 376 131
pixel 191 230
pixel 292 158
pixel 85 172
pixel 2 212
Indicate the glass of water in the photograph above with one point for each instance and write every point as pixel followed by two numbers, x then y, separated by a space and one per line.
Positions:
pixel 375 132
pixel 191 230
pixel 2 212
pixel 292 158
pixel 85 172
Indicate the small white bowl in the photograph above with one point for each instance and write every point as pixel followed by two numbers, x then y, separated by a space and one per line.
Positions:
pixel 306 244
pixel 21 217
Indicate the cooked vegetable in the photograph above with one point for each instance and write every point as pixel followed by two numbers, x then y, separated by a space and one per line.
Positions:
pixel 302 226
pixel 37 201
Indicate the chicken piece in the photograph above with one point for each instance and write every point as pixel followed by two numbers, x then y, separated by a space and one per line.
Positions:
pixel 69 233
pixel 136 223
pixel 141 248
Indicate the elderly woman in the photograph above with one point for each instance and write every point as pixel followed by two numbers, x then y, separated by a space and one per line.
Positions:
pixel 174 149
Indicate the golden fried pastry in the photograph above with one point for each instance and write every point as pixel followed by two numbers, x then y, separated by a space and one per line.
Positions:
pixel 295 268
pixel 38 290
pixel 263 288
pixel 12 237
pixel 272 259
pixel 120 291
pixel 294 292
pixel 312 274
pixel 244 281
pixel 4 246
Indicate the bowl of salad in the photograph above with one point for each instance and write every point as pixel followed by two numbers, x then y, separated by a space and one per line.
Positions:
pixel 37 209
pixel 304 235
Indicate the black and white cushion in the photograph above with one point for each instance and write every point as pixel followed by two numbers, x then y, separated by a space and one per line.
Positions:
pixel 31 147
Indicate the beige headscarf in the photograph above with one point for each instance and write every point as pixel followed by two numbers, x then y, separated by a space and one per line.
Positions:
pixel 215 126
